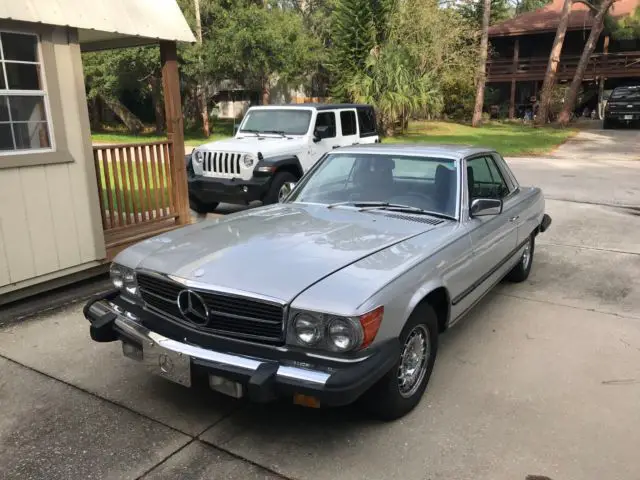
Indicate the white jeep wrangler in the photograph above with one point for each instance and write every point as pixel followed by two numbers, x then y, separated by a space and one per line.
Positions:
pixel 272 148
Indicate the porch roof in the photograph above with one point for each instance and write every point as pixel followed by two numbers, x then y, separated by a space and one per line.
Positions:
pixel 546 19
pixel 105 24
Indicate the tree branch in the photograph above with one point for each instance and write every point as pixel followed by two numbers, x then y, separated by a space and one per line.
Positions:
pixel 588 4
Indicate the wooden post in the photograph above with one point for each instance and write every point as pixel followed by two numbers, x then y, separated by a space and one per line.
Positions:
pixel 175 130
pixel 512 100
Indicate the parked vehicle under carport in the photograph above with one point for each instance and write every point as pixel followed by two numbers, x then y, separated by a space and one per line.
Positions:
pixel 623 107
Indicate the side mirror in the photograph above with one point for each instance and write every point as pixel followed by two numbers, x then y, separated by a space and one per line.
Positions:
pixel 481 207
pixel 320 132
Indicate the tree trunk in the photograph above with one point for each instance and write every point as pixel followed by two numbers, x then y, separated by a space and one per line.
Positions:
pixel 552 65
pixel 94 114
pixel 266 91
pixel 482 65
pixel 158 105
pixel 133 123
pixel 589 47
pixel 201 90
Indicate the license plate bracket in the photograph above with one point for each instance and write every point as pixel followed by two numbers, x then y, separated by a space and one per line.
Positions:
pixel 166 363
pixel 628 117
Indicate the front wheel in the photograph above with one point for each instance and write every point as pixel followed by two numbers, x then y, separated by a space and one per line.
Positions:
pixel 400 390
pixel 281 186
pixel 521 271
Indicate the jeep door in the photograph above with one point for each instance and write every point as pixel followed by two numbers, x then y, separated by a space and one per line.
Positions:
pixel 349 127
pixel 320 146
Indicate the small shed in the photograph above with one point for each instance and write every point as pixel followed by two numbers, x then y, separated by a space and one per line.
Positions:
pixel 66 207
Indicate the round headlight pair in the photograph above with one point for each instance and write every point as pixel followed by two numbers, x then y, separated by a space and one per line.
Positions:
pixel 340 334
pixel 124 279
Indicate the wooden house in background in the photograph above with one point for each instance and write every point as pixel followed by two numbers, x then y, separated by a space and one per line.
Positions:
pixel 66 206
pixel 521 47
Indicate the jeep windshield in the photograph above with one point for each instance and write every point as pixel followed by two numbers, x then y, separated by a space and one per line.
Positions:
pixel 271 121
pixel 366 181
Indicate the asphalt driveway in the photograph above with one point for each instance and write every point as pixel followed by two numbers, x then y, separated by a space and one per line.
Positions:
pixel 543 378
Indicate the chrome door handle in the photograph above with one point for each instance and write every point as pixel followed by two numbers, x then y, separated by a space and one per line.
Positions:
pixel 513 219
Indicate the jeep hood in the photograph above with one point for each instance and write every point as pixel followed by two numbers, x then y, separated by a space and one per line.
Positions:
pixel 266 144
pixel 277 251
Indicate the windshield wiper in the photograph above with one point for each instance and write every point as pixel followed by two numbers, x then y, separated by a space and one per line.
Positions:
pixel 257 132
pixel 275 132
pixel 396 207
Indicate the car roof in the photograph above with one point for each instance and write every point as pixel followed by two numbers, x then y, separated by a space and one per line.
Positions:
pixel 418 149
pixel 318 106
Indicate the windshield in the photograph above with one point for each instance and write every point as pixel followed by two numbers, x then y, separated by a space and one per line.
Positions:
pixel 626 93
pixel 285 121
pixel 419 182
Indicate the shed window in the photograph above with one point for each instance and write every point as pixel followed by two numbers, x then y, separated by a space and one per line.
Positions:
pixel 24 124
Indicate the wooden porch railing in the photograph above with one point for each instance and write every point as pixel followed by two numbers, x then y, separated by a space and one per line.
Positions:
pixel 135 189
pixel 610 65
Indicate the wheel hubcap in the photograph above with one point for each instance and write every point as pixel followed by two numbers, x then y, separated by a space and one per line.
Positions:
pixel 526 256
pixel 285 190
pixel 413 362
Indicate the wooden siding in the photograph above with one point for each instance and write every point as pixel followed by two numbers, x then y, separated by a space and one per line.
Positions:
pixel 49 214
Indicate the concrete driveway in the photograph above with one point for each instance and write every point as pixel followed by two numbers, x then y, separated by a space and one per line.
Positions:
pixel 543 378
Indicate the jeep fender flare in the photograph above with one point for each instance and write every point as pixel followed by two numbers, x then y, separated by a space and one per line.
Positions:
pixel 289 163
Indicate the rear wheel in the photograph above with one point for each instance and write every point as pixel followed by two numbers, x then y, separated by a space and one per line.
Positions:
pixel 521 271
pixel 201 207
pixel 281 185
pixel 400 390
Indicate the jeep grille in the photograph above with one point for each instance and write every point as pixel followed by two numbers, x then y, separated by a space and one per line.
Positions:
pixel 229 315
pixel 219 164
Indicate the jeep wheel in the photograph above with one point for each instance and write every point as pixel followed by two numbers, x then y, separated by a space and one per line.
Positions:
pixel 400 390
pixel 281 186
pixel 201 207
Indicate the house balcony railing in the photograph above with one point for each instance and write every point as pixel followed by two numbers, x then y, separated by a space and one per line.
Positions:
pixel 612 65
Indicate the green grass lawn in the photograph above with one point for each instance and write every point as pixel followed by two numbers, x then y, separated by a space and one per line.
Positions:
pixel 507 138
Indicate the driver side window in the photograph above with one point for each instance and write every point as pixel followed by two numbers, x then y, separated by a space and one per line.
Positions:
pixel 327 119
pixel 485 180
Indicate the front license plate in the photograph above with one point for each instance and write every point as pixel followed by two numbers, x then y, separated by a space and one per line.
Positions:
pixel 628 117
pixel 168 364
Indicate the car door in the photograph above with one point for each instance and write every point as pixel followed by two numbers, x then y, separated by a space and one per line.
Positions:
pixel 493 237
pixel 349 127
pixel 332 140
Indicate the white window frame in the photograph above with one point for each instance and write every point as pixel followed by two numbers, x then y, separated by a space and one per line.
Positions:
pixel 31 93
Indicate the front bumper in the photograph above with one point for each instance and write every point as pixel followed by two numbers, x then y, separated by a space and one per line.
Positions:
pixel 228 190
pixel 263 379
pixel 622 116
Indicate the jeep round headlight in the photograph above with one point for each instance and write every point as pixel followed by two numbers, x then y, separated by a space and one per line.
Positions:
pixel 198 156
pixel 308 329
pixel 249 160
pixel 117 276
pixel 343 335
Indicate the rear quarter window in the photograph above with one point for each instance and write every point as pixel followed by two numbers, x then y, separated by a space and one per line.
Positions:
pixel 367 120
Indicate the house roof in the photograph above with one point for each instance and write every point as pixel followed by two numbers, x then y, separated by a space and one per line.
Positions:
pixel 106 23
pixel 546 19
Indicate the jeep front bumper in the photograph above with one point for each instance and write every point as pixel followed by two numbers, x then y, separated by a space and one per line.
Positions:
pixel 262 379
pixel 228 190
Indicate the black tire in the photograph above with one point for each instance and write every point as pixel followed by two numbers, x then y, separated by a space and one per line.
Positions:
pixel 607 123
pixel 521 271
pixel 385 400
pixel 278 181
pixel 201 207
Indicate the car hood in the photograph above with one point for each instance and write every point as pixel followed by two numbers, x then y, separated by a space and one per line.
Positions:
pixel 266 145
pixel 276 251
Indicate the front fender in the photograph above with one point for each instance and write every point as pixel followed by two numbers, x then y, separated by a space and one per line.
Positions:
pixel 275 163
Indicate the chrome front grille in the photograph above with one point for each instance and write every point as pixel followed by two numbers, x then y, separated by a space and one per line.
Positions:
pixel 221 164
pixel 229 315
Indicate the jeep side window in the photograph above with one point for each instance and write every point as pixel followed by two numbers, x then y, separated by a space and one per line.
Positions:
pixel 367 122
pixel 327 119
pixel 348 123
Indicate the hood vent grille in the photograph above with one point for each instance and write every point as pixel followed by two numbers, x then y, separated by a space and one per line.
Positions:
pixel 415 218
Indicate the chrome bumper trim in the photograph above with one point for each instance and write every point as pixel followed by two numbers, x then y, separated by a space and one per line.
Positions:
pixel 132 328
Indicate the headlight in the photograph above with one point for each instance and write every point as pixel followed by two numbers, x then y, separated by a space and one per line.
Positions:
pixel 308 329
pixel 117 276
pixel 334 333
pixel 124 279
pixel 249 160
pixel 343 334
pixel 198 156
